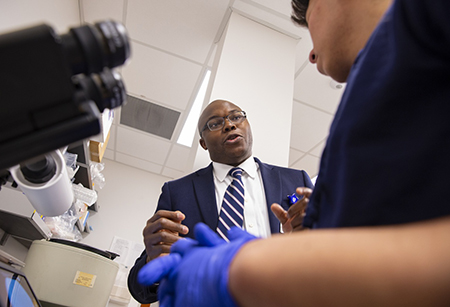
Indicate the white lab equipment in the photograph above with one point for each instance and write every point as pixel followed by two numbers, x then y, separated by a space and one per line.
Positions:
pixel 65 273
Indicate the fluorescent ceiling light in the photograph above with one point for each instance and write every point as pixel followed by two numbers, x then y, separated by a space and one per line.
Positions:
pixel 190 126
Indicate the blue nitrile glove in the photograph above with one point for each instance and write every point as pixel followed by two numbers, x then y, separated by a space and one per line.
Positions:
pixel 196 271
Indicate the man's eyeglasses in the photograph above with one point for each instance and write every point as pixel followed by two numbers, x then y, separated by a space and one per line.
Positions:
pixel 217 123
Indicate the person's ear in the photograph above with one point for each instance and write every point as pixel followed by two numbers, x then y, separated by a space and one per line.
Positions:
pixel 203 144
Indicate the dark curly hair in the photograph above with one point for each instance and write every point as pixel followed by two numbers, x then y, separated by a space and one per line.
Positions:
pixel 299 8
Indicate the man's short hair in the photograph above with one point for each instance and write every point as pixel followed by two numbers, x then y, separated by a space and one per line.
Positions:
pixel 299 8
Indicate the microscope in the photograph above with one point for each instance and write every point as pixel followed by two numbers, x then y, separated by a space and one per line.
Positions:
pixel 53 89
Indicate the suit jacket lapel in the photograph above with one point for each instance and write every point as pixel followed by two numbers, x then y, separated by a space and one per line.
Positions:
pixel 272 187
pixel 206 198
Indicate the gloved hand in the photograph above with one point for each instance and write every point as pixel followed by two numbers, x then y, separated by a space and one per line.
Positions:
pixel 196 271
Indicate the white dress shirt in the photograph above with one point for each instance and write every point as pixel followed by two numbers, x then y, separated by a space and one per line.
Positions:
pixel 256 215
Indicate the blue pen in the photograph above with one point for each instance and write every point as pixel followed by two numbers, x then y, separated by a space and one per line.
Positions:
pixel 293 198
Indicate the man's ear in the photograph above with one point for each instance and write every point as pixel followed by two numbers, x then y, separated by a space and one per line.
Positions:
pixel 203 144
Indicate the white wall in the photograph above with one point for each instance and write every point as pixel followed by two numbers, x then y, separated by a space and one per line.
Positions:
pixel 127 201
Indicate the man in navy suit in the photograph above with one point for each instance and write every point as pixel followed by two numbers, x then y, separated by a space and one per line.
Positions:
pixel 225 132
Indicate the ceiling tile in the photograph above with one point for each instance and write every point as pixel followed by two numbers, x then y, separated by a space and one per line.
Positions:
pixel 185 28
pixel 309 127
pixel 160 77
pixel 294 155
pixel 314 89
pixel 17 14
pixel 308 163
pixel 282 7
pixel 269 16
pixel 171 173
pixel 317 151
pixel 141 145
pixel 178 157
pixel 138 163
pixel 98 10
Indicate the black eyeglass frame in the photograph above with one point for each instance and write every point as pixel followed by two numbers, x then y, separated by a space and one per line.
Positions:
pixel 244 115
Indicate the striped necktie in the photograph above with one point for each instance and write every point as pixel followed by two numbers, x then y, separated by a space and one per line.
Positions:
pixel 232 211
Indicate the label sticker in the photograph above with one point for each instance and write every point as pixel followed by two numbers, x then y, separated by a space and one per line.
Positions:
pixel 84 279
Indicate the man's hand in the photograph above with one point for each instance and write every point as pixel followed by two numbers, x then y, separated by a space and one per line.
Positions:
pixel 161 231
pixel 292 219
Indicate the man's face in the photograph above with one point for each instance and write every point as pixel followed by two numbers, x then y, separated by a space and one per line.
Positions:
pixel 332 30
pixel 233 143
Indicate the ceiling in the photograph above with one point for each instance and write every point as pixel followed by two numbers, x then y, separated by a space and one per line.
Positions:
pixel 173 42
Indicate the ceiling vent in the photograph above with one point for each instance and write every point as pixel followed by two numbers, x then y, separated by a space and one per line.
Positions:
pixel 149 117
